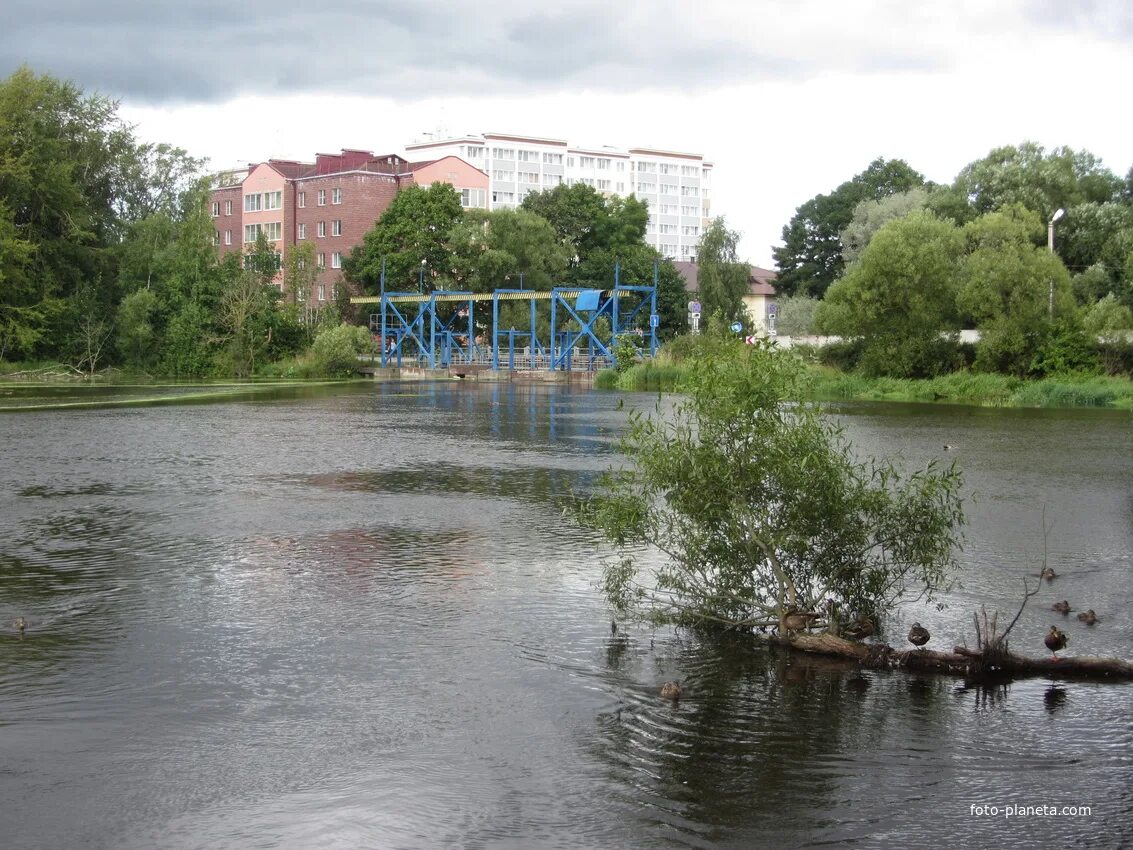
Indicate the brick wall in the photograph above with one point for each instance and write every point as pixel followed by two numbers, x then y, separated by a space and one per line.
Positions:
pixel 365 196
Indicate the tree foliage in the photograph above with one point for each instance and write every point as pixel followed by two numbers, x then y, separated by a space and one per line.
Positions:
pixel 1025 174
pixel 416 227
pixel 899 297
pixel 871 214
pixel 1013 289
pixel 737 507
pixel 722 279
pixel 810 259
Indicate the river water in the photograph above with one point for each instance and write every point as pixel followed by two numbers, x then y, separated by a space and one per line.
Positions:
pixel 357 618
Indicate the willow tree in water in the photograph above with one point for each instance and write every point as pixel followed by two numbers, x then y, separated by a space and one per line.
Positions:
pixel 739 506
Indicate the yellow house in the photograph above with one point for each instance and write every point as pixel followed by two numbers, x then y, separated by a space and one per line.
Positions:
pixel 759 300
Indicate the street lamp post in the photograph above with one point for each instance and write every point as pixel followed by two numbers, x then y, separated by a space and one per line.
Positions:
pixel 421 278
pixel 1058 213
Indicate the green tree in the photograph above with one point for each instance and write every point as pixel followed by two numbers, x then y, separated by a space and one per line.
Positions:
pixel 900 297
pixel 722 279
pixel 136 326
pixel 757 507
pixel 1025 174
pixel 585 221
pixel 1011 288
pixel 871 214
pixel 810 259
pixel 1109 322
pixel 417 226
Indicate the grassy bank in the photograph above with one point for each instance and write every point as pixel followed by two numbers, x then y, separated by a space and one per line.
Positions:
pixel 972 388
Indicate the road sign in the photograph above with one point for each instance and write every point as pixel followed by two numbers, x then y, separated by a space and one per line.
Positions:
pixel 737 327
pixel 772 309
pixel 654 320
pixel 694 306
pixel 751 340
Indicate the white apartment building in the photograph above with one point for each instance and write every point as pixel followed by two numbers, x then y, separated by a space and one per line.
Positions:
pixel 675 185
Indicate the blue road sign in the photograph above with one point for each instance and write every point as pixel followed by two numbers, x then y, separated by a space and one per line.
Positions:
pixel 737 327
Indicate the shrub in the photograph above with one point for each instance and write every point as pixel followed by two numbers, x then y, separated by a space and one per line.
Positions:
pixel 336 349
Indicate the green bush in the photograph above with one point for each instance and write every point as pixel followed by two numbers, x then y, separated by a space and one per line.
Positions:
pixel 336 350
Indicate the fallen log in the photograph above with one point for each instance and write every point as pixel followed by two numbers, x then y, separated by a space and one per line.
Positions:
pixel 961 661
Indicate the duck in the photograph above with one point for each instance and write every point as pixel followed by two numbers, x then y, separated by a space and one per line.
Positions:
pixel 671 690
pixel 1048 573
pixel 1055 640
pixel 20 625
pixel 1063 608
pixel 919 635
pixel 860 629
pixel 794 621
pixel 1088 617
pixel 948 447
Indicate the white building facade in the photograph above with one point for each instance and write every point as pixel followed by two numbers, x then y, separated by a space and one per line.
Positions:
pixel 676 186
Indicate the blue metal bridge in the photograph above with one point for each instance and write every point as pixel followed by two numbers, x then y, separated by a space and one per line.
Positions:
pixel 442 329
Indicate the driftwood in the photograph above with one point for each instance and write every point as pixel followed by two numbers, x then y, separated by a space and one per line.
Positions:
pixel 961 661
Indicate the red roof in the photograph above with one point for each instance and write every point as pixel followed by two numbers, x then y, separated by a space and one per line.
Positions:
pixel 759 282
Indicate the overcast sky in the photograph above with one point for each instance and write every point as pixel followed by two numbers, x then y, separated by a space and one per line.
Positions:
pixel 788 97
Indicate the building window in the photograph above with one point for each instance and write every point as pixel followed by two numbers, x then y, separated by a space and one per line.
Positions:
pixel 273 230
pixel 336 196
pixel 570 162
pixel 621 166
pixel 215 208
pixel 228 237
pixel 336 227
pixel 321 261
pixel 474 152
pixel 553 158
pixel 552 179
pixel 586 162
pixel 503 153
pixel 690 230
pixel 322 197
pixel 472 198
pixel 253 203
pixel 336 260
pixel 687 210
pixel 228 207
pixel 668 209
pixel 322 229
pixel 273 200
pixel 647 166
pixel 503 197
pixel 603 164
pixel 322 289
pixel 604 185
pixel 690 191
pixel 302 199
pixel 528 156
pixel 647 187
pixel 501 174
pixel 668 188
pixel 621 187
pixel 668 228
pixel 216 238
pixel 302 232
pixel 528 177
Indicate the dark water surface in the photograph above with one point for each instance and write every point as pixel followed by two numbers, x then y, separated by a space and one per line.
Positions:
pixel 358 620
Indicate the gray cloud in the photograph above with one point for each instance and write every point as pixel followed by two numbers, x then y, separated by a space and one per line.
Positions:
pixel 207 51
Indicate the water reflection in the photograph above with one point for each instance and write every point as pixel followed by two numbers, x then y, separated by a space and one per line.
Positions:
pixel 359 619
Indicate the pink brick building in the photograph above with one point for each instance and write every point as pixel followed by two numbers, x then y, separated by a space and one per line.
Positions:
pixel 330 203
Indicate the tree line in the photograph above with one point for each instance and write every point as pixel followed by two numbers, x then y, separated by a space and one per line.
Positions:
pixel 108 254
pixel 896 265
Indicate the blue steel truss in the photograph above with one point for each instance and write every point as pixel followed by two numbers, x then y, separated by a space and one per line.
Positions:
pixel 438 339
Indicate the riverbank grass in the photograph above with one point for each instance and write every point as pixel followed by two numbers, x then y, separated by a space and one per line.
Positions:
pixel 971 388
